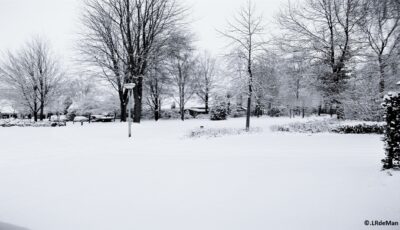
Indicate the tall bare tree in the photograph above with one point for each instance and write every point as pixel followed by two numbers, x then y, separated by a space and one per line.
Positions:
pixel 244 32
pixel 181 63
pixel 381 28
pixel 33 74
pixel 101 47
pixel 157 84
pixel 139 26
pixel 205 77
pixel 266 85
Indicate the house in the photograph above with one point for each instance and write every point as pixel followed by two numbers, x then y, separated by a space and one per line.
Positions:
pixel 7 110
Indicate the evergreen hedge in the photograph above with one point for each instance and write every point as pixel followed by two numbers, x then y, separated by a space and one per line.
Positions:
pixel 392 130
pixel 360 129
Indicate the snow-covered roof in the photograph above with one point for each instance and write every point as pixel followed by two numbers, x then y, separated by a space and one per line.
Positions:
pixel 7 107
pixel 197 109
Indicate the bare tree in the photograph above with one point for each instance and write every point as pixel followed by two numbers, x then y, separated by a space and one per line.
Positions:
pixel 266 85
pixel 326 31
pixel 205 77
pixel 157 84
pixel 298 86
pixel 245 32
pixel 140 26
pixel 381 28
pixel 101 47
pixel 181 63
pixel 34 76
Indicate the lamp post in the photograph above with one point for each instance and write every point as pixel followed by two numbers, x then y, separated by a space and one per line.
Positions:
pixel 129 87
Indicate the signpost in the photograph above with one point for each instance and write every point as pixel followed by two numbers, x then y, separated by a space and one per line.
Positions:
pixel 129 87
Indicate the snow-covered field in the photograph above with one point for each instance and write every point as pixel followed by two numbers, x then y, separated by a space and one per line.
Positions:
pixel 93 177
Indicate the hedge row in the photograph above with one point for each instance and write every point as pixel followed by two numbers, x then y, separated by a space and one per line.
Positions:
pixel 360 129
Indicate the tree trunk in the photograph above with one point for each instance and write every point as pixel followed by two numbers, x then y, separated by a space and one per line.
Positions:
pixel 206 101
pixel 182 110
pixel 137 110
pixel 381 77
pixel 248 113
pixel 156 109
pixel 35 111
pixel 319 110
pixel 248 106
pixel 182 105
pixel 35 116
pixel 41 115
pixel 250 93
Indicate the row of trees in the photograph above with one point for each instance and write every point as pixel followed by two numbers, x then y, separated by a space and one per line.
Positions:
pixel 122 39
pixel 341 54
pixel 145 42
pixel 347 44
pixel 338 54
pixel 335 53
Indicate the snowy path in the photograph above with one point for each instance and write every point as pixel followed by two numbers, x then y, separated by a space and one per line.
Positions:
pixel 94 178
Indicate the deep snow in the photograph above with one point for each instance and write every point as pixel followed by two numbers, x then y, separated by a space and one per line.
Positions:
pixel 93 177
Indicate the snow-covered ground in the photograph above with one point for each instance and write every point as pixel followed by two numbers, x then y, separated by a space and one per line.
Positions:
pixel 93 177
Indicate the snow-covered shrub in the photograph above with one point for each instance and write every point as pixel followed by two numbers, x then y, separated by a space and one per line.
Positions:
pixel 236 111
pixel 392 130
pixel 219 112
pixel 360 129
pixel 331 125
pixel 214 132
pixel 173 114
pixel 30 123
pixel 147 114
pixel 277 111
pixel 170 114
pixel 306 127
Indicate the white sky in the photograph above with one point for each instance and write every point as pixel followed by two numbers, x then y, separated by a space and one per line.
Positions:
pixel 58 21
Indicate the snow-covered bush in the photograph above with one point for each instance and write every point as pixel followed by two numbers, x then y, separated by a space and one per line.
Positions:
pixel 277 111
pixel 29 123
pixel 173 114
pixel 236 113
pixel 392 130
pixel 360 129
pixel 219 112
pixel 214 132
pixel 306 127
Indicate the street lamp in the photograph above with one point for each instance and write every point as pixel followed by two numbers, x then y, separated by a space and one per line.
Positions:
pixel 129 87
